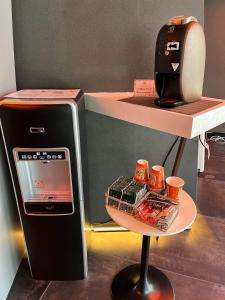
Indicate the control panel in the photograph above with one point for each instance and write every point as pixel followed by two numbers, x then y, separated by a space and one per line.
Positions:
pixel 41 155
pixel 45 180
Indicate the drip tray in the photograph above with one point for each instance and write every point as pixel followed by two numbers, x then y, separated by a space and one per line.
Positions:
pixel 49 197
pixel 186 109
pixel 49 204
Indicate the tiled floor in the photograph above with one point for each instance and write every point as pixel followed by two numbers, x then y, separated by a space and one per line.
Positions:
pixel 194 260
pixel 211 184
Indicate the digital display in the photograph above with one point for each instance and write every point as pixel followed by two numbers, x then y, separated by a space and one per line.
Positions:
pixel 41 155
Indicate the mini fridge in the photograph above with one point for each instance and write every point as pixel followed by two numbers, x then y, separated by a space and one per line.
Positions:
pixel 44 138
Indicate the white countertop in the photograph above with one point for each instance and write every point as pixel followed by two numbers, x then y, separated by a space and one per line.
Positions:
pixel 173 121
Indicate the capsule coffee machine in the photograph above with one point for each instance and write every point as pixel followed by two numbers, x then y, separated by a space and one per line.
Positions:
pixel 179 62
pixel 44 136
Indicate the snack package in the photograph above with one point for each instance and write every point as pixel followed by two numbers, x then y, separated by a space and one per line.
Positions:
pixel 134 192
pixel 156 210
pixel 125 193
pixel 166 217
pixel 116 188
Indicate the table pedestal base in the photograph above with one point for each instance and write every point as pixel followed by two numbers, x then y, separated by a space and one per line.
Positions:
pixel 125 285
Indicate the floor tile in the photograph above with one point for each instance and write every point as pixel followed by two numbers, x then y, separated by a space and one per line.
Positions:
pixel 211 183
pixel 98 286
pixel 24 287
pixel 198 254
pixel 189 288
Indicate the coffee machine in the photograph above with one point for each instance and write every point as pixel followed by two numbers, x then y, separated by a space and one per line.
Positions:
pixel 179 62
pixel 44 138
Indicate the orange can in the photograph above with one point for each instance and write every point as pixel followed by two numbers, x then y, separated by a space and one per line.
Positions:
pixel 157 178
pixel 141 171
pixel 174 186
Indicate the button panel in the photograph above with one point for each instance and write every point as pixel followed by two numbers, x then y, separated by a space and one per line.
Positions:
pixel 41 155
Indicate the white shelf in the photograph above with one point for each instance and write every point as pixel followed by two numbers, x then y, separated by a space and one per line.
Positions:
pixel 171 121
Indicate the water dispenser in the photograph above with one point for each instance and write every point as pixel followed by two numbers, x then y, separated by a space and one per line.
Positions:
pixel 44 138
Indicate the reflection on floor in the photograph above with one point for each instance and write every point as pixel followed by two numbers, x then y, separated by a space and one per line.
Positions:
pixel 194 260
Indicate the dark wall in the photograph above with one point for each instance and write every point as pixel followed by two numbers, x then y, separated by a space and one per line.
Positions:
pixel 98 45
pixel 114 146
pixel 215 60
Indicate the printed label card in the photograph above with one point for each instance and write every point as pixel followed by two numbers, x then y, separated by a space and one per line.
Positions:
pixel 144 88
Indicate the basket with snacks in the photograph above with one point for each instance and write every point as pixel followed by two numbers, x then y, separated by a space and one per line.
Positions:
pixel 125 193
pixel 146 197
pixel 156 210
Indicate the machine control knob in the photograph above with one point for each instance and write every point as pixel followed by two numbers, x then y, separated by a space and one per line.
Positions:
pixel 181 20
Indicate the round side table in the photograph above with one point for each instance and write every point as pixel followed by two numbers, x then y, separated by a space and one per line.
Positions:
pixel 143 281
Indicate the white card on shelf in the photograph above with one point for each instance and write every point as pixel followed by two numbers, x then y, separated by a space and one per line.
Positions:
pixel 144 88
